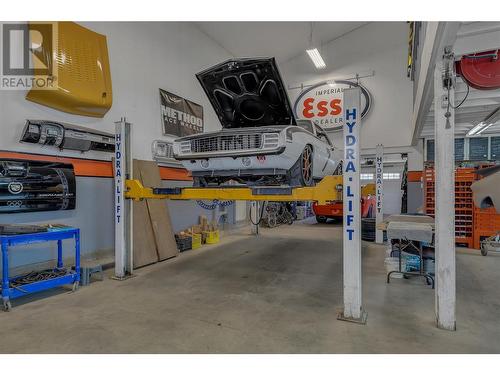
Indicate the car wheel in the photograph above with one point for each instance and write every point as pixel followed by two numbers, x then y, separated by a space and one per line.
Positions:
pixel 301 172
pixel 321 219
pixel 200 182
pixel 306 166
pixel 484 251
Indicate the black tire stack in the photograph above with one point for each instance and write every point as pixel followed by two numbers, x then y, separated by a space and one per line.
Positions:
pixel 368 229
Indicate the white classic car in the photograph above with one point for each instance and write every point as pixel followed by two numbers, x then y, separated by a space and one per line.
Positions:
pixel 260 143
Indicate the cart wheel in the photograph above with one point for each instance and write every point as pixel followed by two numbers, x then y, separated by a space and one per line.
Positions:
pixel 271 221
pixel 7 306
pixel 484 252
pixel 75 286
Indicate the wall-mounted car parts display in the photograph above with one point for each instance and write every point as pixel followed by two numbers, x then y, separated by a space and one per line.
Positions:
pixel 36 186
pixel 66 136
pixel 81 70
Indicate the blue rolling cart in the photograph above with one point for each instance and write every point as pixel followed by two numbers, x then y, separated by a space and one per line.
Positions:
pixel 71 276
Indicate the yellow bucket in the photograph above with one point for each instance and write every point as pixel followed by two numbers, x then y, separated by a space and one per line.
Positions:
pixel 212 237
pixel 196 241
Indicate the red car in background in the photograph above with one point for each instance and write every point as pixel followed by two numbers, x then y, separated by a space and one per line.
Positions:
pixel 334 209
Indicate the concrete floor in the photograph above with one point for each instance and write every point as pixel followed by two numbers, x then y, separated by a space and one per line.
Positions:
pixel 274 294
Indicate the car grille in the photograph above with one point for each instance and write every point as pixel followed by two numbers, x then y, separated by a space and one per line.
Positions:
pixel 234 142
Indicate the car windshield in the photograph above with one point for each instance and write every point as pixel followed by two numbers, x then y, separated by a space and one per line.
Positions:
pixel 321 134
pixel 306 124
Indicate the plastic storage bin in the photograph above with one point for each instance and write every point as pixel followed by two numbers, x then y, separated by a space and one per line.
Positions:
pixel 184 243
pixel 212 237
pixel 412 262
pixel 196 241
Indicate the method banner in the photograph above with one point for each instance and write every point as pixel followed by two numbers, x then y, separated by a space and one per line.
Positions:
pixel 180 116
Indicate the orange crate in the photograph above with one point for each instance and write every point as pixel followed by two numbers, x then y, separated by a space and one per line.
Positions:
pixel 486 219
pixel 464 207
pixel 486 223
pixel 468 241
pixel 465 174
pixel 471 223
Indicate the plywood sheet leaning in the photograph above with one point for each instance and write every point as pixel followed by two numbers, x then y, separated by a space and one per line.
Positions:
pixel 166 246
pixel 143 237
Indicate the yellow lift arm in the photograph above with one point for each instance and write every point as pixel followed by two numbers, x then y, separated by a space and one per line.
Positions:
pixel 324 191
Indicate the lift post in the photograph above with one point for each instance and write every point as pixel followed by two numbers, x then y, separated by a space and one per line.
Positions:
pixel 352 310
pixel 123 208
pixel 255 216
pixel 379 183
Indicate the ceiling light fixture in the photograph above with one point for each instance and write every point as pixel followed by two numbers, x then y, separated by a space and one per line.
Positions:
pixel 316 58
pixel 313 52
pixel 478 129
pixel 489 121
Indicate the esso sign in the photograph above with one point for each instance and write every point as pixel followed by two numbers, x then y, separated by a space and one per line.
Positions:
pixel 323 103
pixel 317 107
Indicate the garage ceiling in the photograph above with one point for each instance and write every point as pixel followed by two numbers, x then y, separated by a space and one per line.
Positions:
pixel 471 37
pixel 283 40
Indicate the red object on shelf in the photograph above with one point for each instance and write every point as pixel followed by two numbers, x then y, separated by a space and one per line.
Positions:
pixel 480 70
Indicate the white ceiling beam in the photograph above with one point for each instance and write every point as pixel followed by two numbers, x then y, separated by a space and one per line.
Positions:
pixel 477 37
pixel 478 105
pixel 478 94
pixel 478 115
pixel 437 36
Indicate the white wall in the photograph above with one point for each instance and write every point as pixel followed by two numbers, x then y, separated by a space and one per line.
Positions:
pixel 379 46
pixel 144 57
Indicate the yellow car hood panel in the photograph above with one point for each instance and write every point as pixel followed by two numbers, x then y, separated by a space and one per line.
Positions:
pixel 83 78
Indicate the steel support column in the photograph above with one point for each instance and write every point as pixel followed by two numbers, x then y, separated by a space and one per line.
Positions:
pixel 255 215
pixel 353 310
pixel 444 122
pixel 379 183
pixel 123 207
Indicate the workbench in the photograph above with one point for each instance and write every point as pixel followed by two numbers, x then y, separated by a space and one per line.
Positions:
pixel 409 232
pixel 69 276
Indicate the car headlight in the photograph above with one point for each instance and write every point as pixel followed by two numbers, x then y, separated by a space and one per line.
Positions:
pixel 184 147
pixel 175 148
pixel 270 140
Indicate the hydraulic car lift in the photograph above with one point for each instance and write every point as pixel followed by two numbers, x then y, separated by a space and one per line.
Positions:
pixel 321 193
pixel 127 188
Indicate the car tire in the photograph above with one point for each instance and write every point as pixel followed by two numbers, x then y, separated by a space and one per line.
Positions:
pixel 301 173
pixel 368 230
pixel 200 182
pixel 321 219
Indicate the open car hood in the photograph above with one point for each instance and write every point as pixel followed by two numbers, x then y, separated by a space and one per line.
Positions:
pixel 247 92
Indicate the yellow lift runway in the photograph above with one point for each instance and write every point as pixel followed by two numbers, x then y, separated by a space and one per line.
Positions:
pixel 324 191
